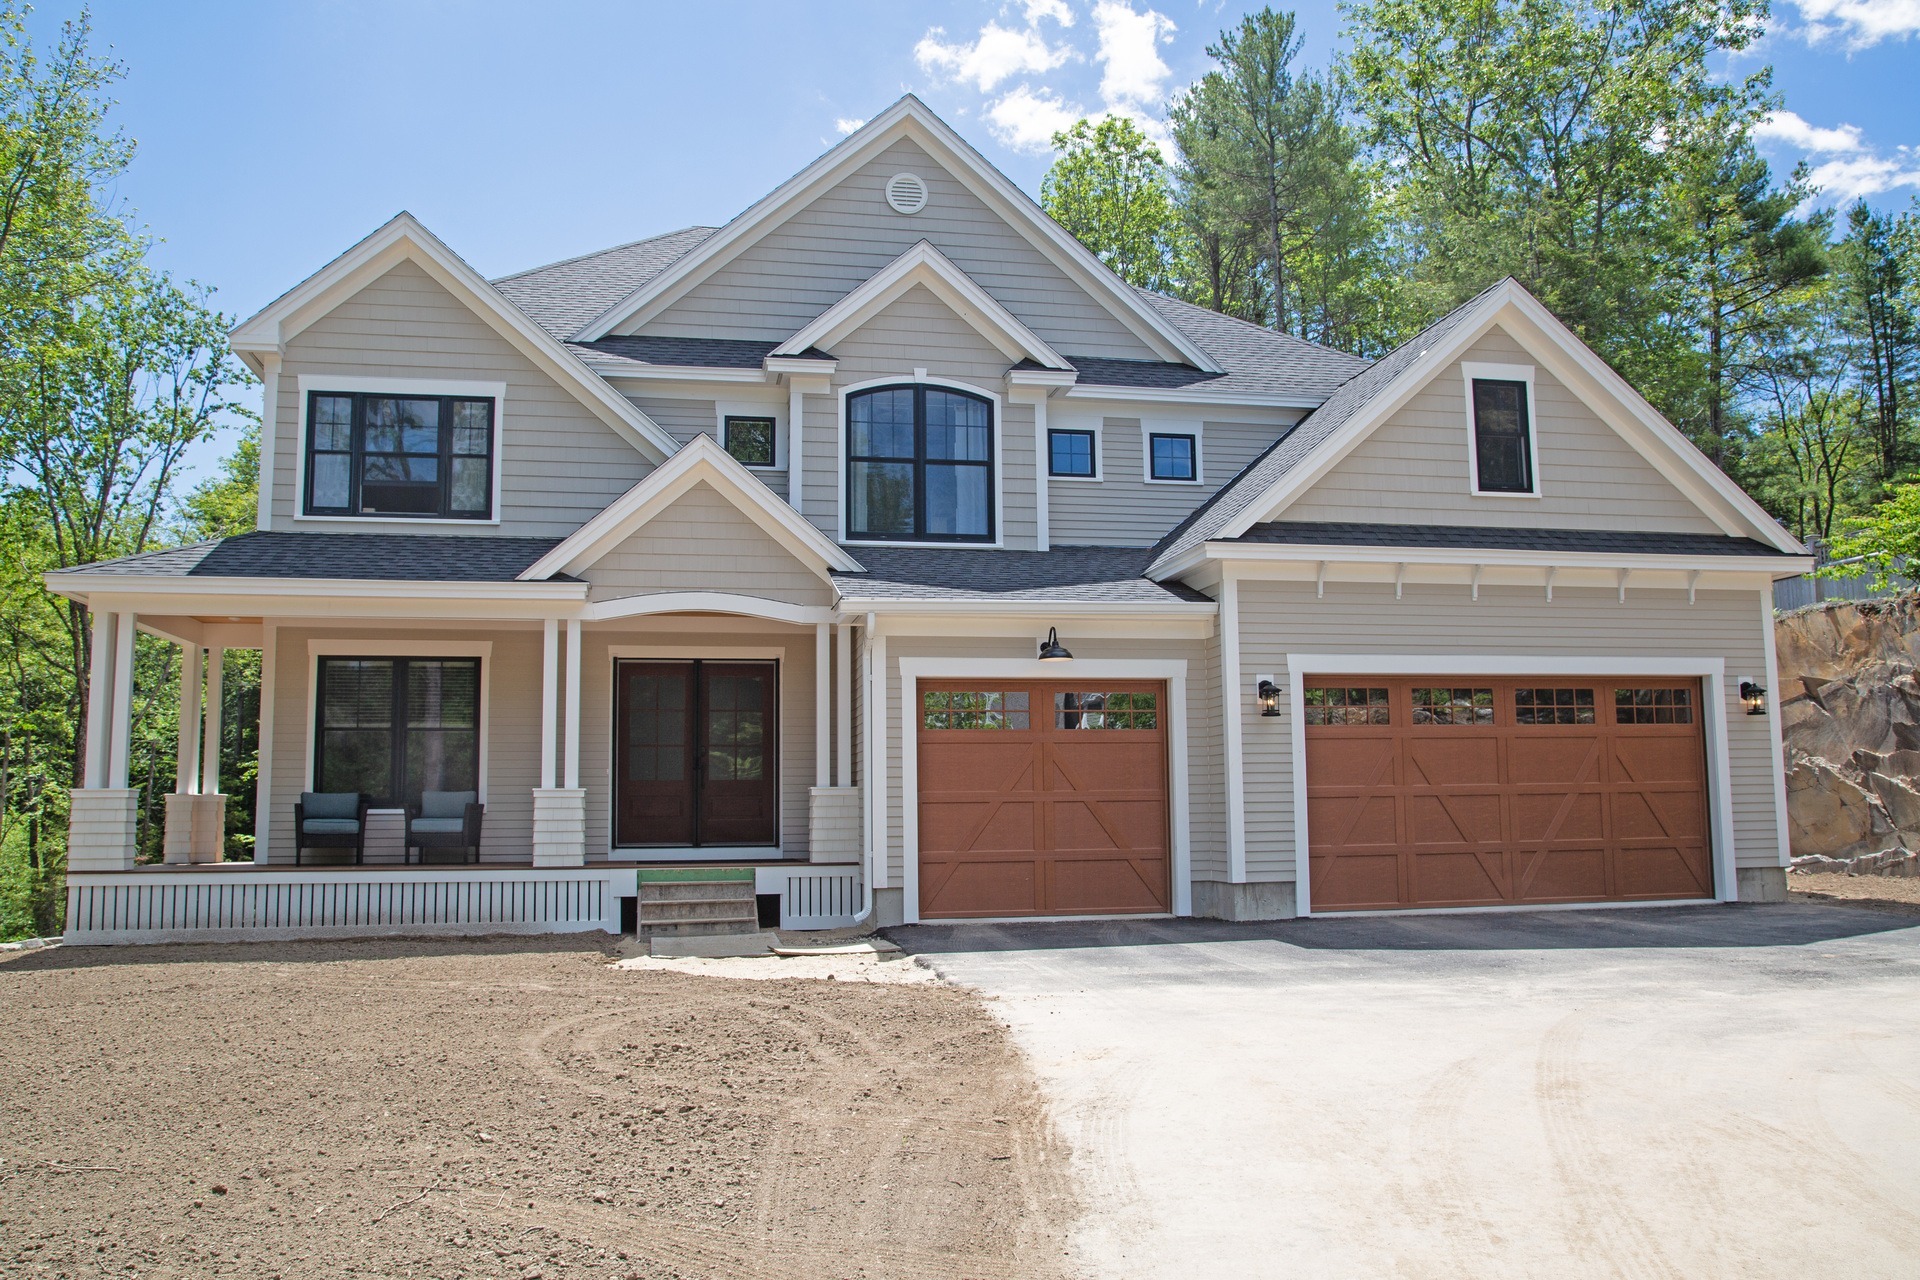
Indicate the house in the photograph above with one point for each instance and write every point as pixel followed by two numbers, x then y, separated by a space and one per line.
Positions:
pixel 882 551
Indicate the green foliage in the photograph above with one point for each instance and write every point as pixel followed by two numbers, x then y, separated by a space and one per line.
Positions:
pixel 1886 538
pixel 1879 285
pixel 1111 190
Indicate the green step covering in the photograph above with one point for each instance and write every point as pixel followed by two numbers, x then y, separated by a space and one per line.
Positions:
pixel 658 874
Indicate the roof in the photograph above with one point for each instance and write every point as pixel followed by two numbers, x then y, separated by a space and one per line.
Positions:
pixel 562 296
pixel 1258 361
pixel 1064 575
pixel 613 354
pixel 1316 533
pixel 393 557
pixel 1237 495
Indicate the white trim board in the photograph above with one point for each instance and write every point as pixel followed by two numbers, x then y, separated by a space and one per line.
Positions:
pixel 1172 670
pixel 319 647
pixel 1714 695
pixel 310 384
pixel 925 267
pixel 912 120
pixel 404 239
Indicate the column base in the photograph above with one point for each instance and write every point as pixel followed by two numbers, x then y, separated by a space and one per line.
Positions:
pixel 1260 900
pixel 101 826
pixel 834 824
pixel 196 829
pixel 559 826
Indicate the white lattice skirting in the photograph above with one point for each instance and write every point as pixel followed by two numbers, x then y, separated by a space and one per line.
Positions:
pixel 245 904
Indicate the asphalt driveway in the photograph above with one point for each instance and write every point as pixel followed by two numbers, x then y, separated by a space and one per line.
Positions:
pixel 1688 1092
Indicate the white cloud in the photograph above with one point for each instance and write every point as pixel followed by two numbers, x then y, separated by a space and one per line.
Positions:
pixel 1134 72
pixel 1055 9
pixel 1026 119
pixel 1858 176
pixel 847 124
pixel 997 54
pixel 1790 130
pixel 1858 22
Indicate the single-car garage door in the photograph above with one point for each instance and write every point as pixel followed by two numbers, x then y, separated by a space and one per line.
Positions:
pixel 1443 791
pixel 1042 799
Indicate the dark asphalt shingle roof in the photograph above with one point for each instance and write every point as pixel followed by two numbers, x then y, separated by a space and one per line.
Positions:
pixel 1290 450
pixel 1317 533
pixel 562 296
pixel 1098 575
pixel 393 557
pixel 1257 361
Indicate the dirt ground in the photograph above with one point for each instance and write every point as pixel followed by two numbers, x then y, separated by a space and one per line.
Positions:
pixel 508 1108
pixel 1900 894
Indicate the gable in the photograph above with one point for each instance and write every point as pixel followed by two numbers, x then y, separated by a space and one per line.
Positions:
pixel 919 331
pixel 1413 467
pixel 560 463
pixel 702 542
pixel 829 244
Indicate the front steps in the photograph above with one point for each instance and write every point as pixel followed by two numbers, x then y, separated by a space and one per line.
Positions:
pixel 677 902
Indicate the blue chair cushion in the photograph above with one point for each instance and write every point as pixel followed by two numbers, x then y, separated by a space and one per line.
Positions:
pixel 330 804
pixel 330 827
pixel 438 826
pixel 446 804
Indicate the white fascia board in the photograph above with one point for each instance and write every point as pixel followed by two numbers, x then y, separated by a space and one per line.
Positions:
pixel 404 238
pixel 708 602
pixel 677 373
pixel 1198 397
pixel 800 365
pixel 80 586
pixel 911 118
pixel 926 267
pixel 1247 557
pixel 700 460
pixel 1026 608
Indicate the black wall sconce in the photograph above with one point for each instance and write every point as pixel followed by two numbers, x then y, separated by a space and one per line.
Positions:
pixel 1753 697
pixel 1267 693
pixel 1051 650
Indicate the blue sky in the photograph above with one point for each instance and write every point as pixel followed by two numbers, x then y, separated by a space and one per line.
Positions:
pixel 272 136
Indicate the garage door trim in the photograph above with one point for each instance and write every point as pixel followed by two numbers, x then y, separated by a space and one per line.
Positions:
pixel 1711 672
pixel 1171 670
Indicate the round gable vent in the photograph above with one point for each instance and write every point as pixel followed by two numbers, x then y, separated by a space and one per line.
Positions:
pixel 906 193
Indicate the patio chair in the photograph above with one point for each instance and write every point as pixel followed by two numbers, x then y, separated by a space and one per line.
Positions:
pixel 330 820
pixel 445 820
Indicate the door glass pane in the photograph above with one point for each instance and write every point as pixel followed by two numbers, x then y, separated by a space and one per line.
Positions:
pixel 956 501
pixel 656 727
pixel 736 728
pixel 881 494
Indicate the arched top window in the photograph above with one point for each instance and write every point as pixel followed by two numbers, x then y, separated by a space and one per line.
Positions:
pixel 919 465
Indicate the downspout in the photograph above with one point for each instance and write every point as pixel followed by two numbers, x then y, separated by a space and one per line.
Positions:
pixel 866 751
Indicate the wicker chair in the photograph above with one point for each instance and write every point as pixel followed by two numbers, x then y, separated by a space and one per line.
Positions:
pixel 445 820
pixel 330 820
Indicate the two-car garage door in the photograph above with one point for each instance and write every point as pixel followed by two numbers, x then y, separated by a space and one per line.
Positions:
pixel 1467 791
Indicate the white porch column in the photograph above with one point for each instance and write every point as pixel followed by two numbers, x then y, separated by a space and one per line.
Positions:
pixel 822 706
pixel 186 770
pixel 549 705
pixel 100 815
pixel 210 753
pixel 99 700
pixel 573 702
pixel 559 813
pixel 843 720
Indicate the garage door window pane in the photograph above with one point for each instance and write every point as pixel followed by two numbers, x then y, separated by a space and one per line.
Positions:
pixel 1106 711
pixel 1453 706
pixel 1552 706
pixel 1347 706
pixel 1653 706
pixel 976 709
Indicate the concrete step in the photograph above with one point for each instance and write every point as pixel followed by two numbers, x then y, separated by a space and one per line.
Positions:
pixel 691 928
pixel 696 891
pixel 719 909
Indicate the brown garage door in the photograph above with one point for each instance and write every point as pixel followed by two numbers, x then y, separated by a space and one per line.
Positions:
pixel 1042 798
pixel 1449 791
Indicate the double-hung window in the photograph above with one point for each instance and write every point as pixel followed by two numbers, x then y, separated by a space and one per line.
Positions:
pixel 919 465
pixel 1502 437
pixel 394 727
pixel 1071 452
pixel 1172 456
pixel 409 457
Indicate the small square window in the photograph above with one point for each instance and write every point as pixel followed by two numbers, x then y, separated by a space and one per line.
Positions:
pixel 750 440
pixel 1070 453
pixel 1502 441
pixel 1172 457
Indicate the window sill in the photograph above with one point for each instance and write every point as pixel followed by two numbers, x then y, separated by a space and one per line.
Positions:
pixel 1075 479
pixel 399 522
pixel 1500 493
pixel 1154 480
pixel 855 543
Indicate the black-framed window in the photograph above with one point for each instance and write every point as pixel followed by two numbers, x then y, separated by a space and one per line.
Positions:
pixel 410 457
pixel 1070 452
pixel 1502 444
pixel 750 440
pixel 919 465
pixel 1173 457
pixel 394 727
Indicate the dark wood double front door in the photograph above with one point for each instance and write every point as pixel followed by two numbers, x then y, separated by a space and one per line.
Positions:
pixel 696 753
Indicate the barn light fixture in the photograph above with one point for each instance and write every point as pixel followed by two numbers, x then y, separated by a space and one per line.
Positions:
pixel 1754 697
pixel 1268 695
pixel 1051 650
